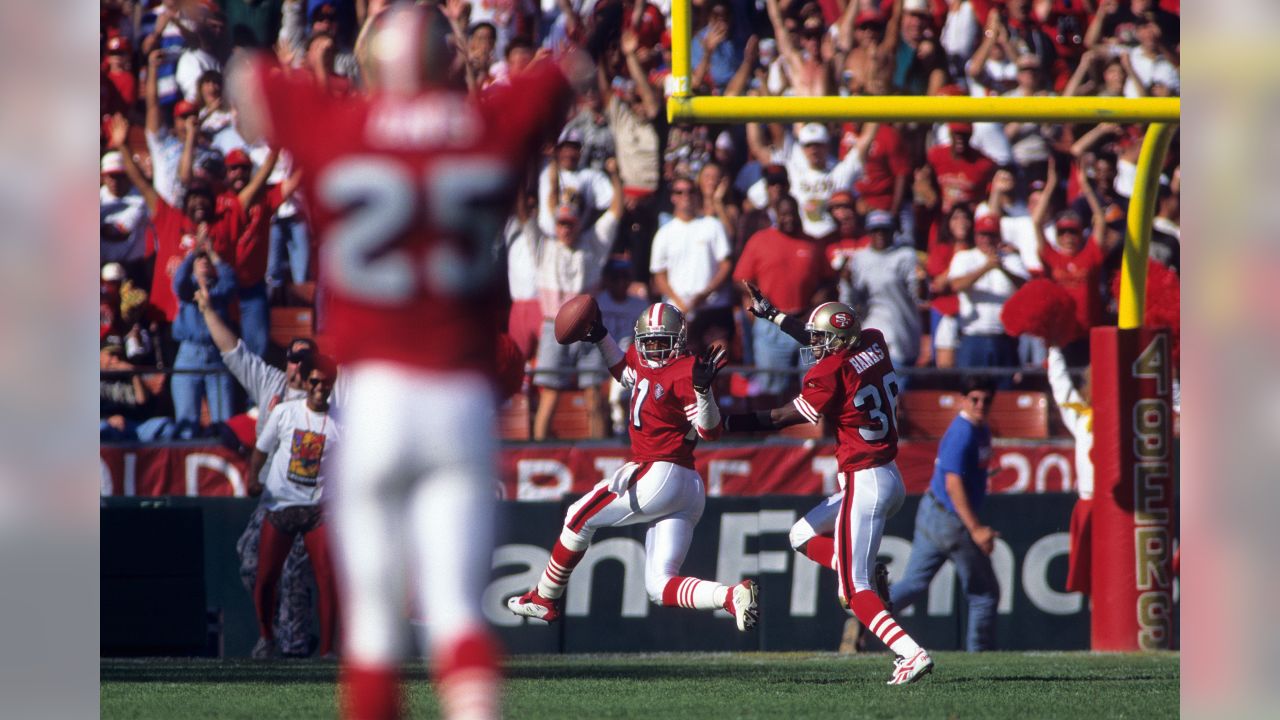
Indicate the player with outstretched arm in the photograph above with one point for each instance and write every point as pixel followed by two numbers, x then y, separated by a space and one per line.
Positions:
pixel 671 408
pixel 854 386
pixel 408 188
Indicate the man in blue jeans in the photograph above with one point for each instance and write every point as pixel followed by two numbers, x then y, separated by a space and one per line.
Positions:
pixel 201 269
pixel 947 523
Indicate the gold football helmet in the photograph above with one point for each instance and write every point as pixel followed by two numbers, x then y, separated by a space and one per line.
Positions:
pixel 660 334
pixel 832 327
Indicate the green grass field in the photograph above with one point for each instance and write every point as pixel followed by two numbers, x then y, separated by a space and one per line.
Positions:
pixel 776 686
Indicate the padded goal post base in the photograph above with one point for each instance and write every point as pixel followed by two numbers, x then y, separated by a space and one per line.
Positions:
pixel 1132 581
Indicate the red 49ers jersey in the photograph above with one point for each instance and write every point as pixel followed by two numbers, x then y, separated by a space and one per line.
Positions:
pixel 856 389
pixel 407 196
pixel 663 405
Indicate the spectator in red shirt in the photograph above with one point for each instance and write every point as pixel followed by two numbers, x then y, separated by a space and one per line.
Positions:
pixel 254 241
pixel 118 66
pixel 790 269
pixel 885 172
pixel 1076 264
pixel 176 230
pixel 962 172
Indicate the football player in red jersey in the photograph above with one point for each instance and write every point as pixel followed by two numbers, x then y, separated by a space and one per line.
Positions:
pixel 671 407
pixel 409 187
pixel 854 386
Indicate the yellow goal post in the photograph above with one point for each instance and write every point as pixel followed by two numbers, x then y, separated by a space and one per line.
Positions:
pixel 1162 115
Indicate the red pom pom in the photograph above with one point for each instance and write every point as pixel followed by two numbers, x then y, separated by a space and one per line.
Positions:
pixel 1044 309
pixel 1163 303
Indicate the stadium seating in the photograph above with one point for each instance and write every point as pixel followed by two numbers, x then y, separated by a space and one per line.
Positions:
pixel 291 322
pixel 926 413
pixel 1022 415
pixel 571 420
pixel 514 417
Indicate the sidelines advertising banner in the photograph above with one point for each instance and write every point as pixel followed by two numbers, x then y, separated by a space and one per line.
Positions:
pixel 550 472
pixel 608 610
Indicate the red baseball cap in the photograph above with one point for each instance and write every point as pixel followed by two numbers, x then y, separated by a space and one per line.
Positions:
pixel 118 44
pixel 987 224
pixel 238 157
pixel 183 108
pixel 843 197
pixel 963 128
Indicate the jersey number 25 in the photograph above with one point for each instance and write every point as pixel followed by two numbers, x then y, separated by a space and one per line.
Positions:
pixel 381 200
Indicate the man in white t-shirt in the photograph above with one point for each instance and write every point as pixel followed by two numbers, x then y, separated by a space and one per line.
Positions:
pixel 571 263
pixel 690 264
pixel 813 173
pixel 586 188
pixel 296 437
pixel 1148 62
pixel 122 215
pixel 985 276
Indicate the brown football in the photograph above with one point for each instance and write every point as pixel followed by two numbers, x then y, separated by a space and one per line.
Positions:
pixel 575 319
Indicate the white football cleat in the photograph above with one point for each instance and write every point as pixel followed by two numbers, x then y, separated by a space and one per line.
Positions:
pixel 533 605
pixel 741 602
pixel 908 670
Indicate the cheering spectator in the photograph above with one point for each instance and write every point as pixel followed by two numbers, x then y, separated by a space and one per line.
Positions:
pixel 866 46
pixel 789 268
pixel 122 217
pixel 165 145
pixel 328 18
pixel 689 265
pixel 805 66
pixel 760 207
pixel 204 270
pixel 564 182
pixel 176 231
pixel 1026 35
pixel 717 49
pixel 886 289
pixel 717 196
pixel 129 404
pixel 253 245
pixel 523 243
pixel 962 172
pixel 1151 67
pixel 814 175
pixel 985 277
pixel 1028 140
pixel 1166 232
pixel 944 306
pixel 886 171
pixel 593 125
pixel 296 437
pixel 1104 165
pixel 1098 74
pixel 992 68
pixel 840 246
pixel 568 266
pixel 634 110
pixel 920 63
pixel 118 67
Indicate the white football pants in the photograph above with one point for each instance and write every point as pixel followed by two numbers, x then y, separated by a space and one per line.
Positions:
pixel 414 487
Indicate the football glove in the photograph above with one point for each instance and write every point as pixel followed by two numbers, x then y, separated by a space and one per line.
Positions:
pixel 705 367
pixel 760 305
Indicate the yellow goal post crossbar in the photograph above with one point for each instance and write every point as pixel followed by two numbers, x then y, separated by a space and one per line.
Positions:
pixel 1163 114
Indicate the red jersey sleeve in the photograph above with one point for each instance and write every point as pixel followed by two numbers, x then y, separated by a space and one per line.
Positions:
pixel 282 103
pixel 818 393
pixel 531 107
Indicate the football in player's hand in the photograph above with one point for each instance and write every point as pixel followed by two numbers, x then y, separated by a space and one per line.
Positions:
pixel 576 318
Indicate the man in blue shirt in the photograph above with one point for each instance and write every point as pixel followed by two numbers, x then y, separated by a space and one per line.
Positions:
pixel 947 523
pixel 203 270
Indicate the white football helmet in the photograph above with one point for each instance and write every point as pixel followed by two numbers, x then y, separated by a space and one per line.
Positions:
pixel 832 327
pixel 660 335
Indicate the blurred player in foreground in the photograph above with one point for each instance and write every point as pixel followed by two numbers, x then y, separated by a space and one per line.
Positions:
pixel 854 386
pixel 671 407
pixel 409 186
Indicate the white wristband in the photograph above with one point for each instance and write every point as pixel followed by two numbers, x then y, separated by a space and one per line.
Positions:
pixel 777 319
pixel 610 350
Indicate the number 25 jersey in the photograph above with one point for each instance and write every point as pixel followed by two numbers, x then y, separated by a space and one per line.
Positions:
pixel 408 194
pixel 856 390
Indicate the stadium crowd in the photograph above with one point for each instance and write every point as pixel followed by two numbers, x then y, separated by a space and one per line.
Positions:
pixel 926 229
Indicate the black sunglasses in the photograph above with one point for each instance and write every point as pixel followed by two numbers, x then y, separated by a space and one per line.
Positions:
pixel 319 381
pixel 979 399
